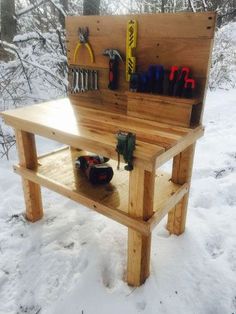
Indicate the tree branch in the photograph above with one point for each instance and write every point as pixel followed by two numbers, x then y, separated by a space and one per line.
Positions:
pixel 30 8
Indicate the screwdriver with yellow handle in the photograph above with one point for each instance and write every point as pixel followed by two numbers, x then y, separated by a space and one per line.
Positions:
pixel 131 42
pixel 83 40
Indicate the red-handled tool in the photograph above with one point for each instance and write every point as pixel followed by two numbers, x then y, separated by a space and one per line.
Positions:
pixel 189 87
pixel 182 77
pixel 114 57
pixel 173 76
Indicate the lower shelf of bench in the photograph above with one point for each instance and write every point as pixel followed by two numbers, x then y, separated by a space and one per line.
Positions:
pixel 56 172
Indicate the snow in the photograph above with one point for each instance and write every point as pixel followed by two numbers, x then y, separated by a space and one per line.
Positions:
pixel 73 260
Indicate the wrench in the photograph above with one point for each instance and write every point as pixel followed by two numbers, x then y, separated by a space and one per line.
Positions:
pixel 72 86
pixel 91 85
pixel 76 86
pixel 86 87
pixel 82 80
pixel 95 80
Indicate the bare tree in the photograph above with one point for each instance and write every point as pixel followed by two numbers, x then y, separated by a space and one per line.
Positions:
pixel 65 7
pixel 91 7
pixel 8 21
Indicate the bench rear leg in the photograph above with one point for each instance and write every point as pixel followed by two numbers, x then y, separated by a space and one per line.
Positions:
pixel 28 158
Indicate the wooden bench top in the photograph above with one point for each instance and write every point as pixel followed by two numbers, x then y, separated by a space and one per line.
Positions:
pixel 95 130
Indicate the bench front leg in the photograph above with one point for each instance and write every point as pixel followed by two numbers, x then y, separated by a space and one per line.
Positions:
pixel 141 193
pixel 28 159
pixel 181 173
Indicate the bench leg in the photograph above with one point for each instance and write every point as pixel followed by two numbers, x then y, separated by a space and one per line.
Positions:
pixel 181 173
pixel 141 193
pixel 28 158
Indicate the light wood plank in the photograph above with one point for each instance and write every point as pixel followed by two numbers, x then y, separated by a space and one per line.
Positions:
pixel 58 120
pixel 28 158
pixel 182 172
pixel 180 146
pixel 141 193
pixel 161 109
pixel 166 206
pixel 114 214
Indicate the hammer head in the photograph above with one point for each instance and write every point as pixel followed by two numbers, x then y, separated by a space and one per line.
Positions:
pixel 112 54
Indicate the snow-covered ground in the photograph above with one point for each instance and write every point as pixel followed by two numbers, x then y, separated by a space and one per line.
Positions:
pixel 73 260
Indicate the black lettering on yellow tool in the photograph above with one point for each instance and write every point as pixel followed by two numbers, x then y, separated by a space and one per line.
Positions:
pixel 131 42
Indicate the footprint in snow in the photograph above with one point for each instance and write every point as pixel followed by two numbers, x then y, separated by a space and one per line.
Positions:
pixel 32 309
pixel 214 247
pixel 203 200
pixel 141 305
pixel 83 264
pixel 108 277
pixel 221 173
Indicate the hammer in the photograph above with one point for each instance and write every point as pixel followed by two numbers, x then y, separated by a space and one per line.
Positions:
pixel 114 57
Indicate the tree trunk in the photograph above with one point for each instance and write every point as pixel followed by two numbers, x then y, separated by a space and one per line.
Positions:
pixel 163 2
pixel 64 5
pixel 8 21
pixel 91 7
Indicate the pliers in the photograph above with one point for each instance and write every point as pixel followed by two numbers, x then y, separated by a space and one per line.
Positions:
pixel 83 40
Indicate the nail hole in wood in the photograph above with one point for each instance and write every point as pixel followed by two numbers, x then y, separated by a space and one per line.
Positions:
pixel 98 29
pixel 158 44
pixel 208 27
pixel 157 57
pixel 53 133
pixel 210 18
pixel 98 21
pixel 94 206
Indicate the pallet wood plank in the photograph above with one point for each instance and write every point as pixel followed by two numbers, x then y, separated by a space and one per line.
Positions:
pixel 116 215
pixel 28 158
pixel 182 171
pixel 150 26
pixel 140 206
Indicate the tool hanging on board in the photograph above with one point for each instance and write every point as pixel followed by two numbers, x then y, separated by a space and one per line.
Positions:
pixel 83 40
pixel 131 43
pixel 95 168
pixel 83 80
pixel 173 76
pixel 189 88
pixel 182 77
pixel 125 146
pixel 114 57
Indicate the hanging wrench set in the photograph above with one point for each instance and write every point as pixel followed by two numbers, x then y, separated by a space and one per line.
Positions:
pixel 83 80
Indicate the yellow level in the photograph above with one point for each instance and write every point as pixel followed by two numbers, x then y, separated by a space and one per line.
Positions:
pixel 131 42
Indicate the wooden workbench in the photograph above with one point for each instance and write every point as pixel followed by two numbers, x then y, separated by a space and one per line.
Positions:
pixel 129 198
pixel 165 127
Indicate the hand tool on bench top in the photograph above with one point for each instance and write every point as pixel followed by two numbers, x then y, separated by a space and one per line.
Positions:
pixel 182 77
pixel 172 79
pixel 114 57
pixel 189 87
pixel 131 43
pixel 125 146
pixel 83 40
pixel 95 168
